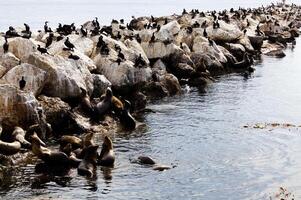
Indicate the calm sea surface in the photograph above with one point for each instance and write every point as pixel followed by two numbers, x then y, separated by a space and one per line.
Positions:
pixel 202 134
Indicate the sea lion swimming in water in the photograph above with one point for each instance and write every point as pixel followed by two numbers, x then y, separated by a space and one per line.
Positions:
pixel 88 165
pixel 107 155
pixel 146 160
pixel 48 156
pixel 126 119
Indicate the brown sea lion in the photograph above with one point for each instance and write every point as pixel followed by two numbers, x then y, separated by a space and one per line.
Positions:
pixel 85 102
pixel 126 119
pixel 48 156
pixel 105 105
pixel 88 165
pixel 73 140
pixel 107 155
pixel 19 135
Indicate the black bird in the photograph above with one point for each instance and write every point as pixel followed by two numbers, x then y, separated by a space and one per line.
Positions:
pixel 42 50
pixel 27 35
pixel 139 62
pixel 117 47
pixel 5 46
pixel 184 11
pixel 196 25
pixel 165 21
pixel 49 40
pixel 74 57
pixel 60 37
pixel 22 83
pixel 83 31
pixel 104 50
pixel 100 42
pixel 158 28
pixel 121 21
pixel 245 31
pixel 118 61
pixel 189 30
pixel 210 42
pixel 205 34
pixel 27 28
pixel 138 38
pixel 152 18
pixel 153 38
pixel 69 44
pixel 46 28
pixel 121 55
pixel 204 24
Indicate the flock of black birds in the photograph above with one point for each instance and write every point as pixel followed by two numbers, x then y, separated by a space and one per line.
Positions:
pixel 154 23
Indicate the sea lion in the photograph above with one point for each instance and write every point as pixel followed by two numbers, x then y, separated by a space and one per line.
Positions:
pixel 19 135
pixel 105 105
pixel 9 148
pixel 107 155
pixel 146 160
pixel 117 105
pixel 88 165
pixel 48 156
pixel 126 119
pixel 74 161
pixel 86 142
pixel 73 140
pixel 85 102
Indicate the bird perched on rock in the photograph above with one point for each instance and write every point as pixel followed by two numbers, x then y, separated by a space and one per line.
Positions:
pixel 22 83
pixel 153 38
pixel 205 34
pixel 139 61
pixel 42 50
pixel 5 45
pixel 69 44
pixel 49 40
pixel 121 55
pixel 46 28
pixel 74 57
pixel 27 28
pixel 83 31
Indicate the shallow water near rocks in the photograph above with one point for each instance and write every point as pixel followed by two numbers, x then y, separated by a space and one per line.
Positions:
pixel 203 135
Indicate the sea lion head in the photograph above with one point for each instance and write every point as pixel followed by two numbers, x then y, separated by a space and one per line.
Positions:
pixel 109 93
pixel 107 143
pixel 35 140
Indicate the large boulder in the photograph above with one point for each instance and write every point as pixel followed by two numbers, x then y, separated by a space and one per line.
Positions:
pixel 17 108
pixel 122 75
pixel 226 32
pixel 65 77
pixel 101 83
pixel 168 31
pixel 22 48
pixel 159 49
pixel 8 61
pixel 35 77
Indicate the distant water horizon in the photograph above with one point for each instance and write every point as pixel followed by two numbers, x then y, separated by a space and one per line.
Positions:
pixel 35 13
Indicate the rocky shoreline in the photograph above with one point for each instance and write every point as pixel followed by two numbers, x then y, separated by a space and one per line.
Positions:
pixel 148 58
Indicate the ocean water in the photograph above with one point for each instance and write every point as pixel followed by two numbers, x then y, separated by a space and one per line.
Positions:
pixel 214 139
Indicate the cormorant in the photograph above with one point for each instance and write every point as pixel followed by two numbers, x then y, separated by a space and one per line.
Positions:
pixel 205 34
pixel 139 61
pixel 184 11
pixel 27 28
pixel 153 38
pixel 83 31
pixel 46 28
pixel 74 57
pixel 121 55
pixel 22 83
pixel 5 45
pixel 138 38
pixel 118 61
pixel 69 44
pixel 42 50
pixel 49 40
